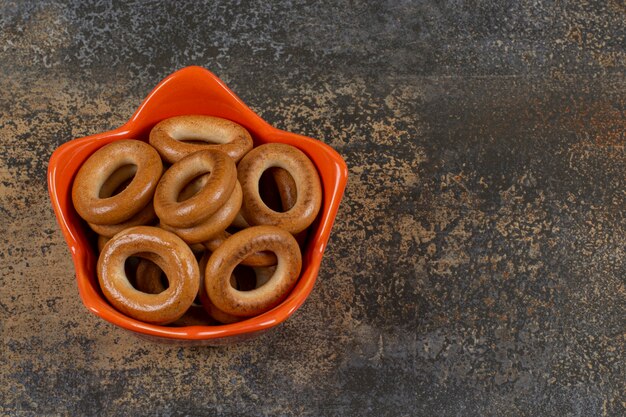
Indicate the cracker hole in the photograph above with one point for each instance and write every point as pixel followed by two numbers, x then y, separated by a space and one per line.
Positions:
pixel 246 278
pixel 193 187
pixel 118 181
pixel 147 277
pixel 270 192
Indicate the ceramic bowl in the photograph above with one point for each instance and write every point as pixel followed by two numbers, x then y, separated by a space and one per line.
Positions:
pixel 191 90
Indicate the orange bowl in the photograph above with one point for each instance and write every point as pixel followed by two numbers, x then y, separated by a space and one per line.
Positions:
pixel 192 90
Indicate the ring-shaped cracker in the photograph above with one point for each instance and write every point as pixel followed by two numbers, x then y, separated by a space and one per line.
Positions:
pixel 213 195
pixel 103 163
pixel 172 255
pixel 236 248
pixel 169 137
pixel 215 224
pixel 306 179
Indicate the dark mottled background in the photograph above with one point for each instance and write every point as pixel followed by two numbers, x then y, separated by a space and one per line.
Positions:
pixel 477 263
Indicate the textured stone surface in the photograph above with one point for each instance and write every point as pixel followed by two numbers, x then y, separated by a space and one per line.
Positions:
pixel 477 262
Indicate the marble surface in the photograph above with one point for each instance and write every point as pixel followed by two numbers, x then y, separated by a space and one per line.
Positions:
pixel 476 267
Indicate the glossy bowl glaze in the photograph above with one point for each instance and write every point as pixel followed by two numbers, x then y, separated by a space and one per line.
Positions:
pixel 191 90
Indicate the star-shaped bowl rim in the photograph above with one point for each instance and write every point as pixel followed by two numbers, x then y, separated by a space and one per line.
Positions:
pixel 192 90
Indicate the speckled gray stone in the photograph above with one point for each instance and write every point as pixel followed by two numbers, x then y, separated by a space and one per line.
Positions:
pixel 476 267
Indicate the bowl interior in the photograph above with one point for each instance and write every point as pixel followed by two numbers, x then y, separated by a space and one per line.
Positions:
pixel 192 90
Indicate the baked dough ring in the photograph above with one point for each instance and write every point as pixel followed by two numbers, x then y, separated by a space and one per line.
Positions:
pixel 148 279
pixel 213 195
pixel 307 181
pixel 195 316
pixel 100 166
pixel 189 191
pixel 214 312
pixel 256 259
pixel 287 189
pixel 221 134
pixel 262 275
pixel 102 240
pixel 239 222
pixel 217 223
pixel 236 248
pixel 173 256
pixel 286 192
pixel 117 183
pixel 288 196
pixel 145 216
pixel 197 248
pixel 148 275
